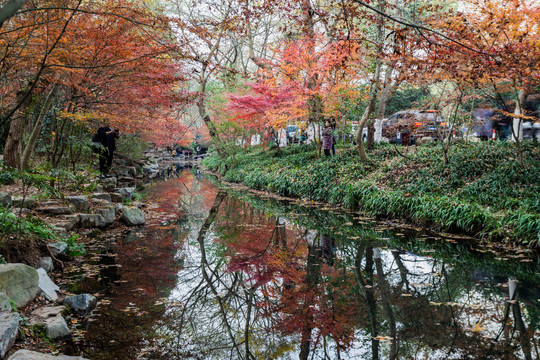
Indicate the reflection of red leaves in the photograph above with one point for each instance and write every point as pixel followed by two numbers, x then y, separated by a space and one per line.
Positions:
pixel 280 270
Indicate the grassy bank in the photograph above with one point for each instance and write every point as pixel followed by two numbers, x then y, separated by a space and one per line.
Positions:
pixel 482 190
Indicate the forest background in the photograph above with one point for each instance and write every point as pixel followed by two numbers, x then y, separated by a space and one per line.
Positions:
pixel 171 72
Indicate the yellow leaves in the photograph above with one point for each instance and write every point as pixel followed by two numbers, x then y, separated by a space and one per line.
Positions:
pixel 478 328
pixel 383 338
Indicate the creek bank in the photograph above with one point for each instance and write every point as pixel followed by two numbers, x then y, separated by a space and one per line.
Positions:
pixel 483 191
pixel 37 307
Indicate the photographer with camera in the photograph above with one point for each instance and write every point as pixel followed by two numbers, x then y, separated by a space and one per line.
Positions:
pixel 106 136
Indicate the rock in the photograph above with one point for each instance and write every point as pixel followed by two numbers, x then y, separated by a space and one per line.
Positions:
pixel 57 210
pixel 47 287
pixel 46 263
pixel 58 248
pixel 33 355
pixel 116 197
pixel 71 221
pixel 80 202
pixel 9 327
pixel 102 196
pixel 24 202
pixel 81 304
pixel 109 184
pixel 132 216
pixel 92 221
pixel 5 199
pixel 19 282
pixel 57 328
pixel 127 171
pixel 5 304
pixel 126 193
pixel 108 214
pixel 99 189
pixel 52 320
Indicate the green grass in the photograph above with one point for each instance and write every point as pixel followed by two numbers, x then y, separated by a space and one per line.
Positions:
pixel 482 190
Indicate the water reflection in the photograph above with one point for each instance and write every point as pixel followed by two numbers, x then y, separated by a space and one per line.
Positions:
pixel 261 279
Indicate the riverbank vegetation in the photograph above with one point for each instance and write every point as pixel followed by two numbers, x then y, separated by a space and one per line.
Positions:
pixel 482 190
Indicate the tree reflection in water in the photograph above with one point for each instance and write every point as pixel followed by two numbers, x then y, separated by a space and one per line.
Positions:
pixel 261 284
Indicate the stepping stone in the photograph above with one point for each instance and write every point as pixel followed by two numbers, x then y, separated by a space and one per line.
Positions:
pixel 80 202
pixel 92 221
pixel 101 196
pixel 52 319
pixel 57 210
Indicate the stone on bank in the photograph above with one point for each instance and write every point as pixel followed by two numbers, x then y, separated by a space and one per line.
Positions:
pixel 19 282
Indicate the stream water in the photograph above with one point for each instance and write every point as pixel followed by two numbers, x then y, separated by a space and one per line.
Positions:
pixel 225 274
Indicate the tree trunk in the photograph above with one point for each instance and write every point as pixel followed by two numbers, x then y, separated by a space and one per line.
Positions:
pixel 517 130
pixel 13 142
pixel 29 148
pixel 368 112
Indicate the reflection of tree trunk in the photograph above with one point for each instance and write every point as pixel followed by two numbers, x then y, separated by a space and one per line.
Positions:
pixel 279 235
pixel 204 264
pixel 312 279
pixel 367 285
pixel 518 320
pixel 385 294
pixel 402 270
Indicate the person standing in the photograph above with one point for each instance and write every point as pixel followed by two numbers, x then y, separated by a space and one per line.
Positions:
pixel 107 137
pixel 327 138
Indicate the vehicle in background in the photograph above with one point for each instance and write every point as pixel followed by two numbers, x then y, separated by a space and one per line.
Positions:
pixel 354 130
pixel 405 127
pixel 531 131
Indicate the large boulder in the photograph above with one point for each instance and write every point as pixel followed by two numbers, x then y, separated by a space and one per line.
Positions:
pixel 33 355
pixel 80 202
pixel 81 304
pixel 9 327
pixel 5 199
pixel 19 282
pixel 46 285
pixel 132 216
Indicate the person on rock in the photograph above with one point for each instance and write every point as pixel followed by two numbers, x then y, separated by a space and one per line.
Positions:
pixel 107 137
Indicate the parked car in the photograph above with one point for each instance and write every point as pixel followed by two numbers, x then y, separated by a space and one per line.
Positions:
pixel 405 127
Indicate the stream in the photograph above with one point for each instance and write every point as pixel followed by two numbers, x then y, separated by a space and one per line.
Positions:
pixel 223 273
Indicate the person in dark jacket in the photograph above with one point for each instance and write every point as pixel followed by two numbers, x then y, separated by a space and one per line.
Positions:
pixel 107 137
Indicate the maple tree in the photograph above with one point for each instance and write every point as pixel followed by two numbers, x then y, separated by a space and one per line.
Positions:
pixel 112 61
